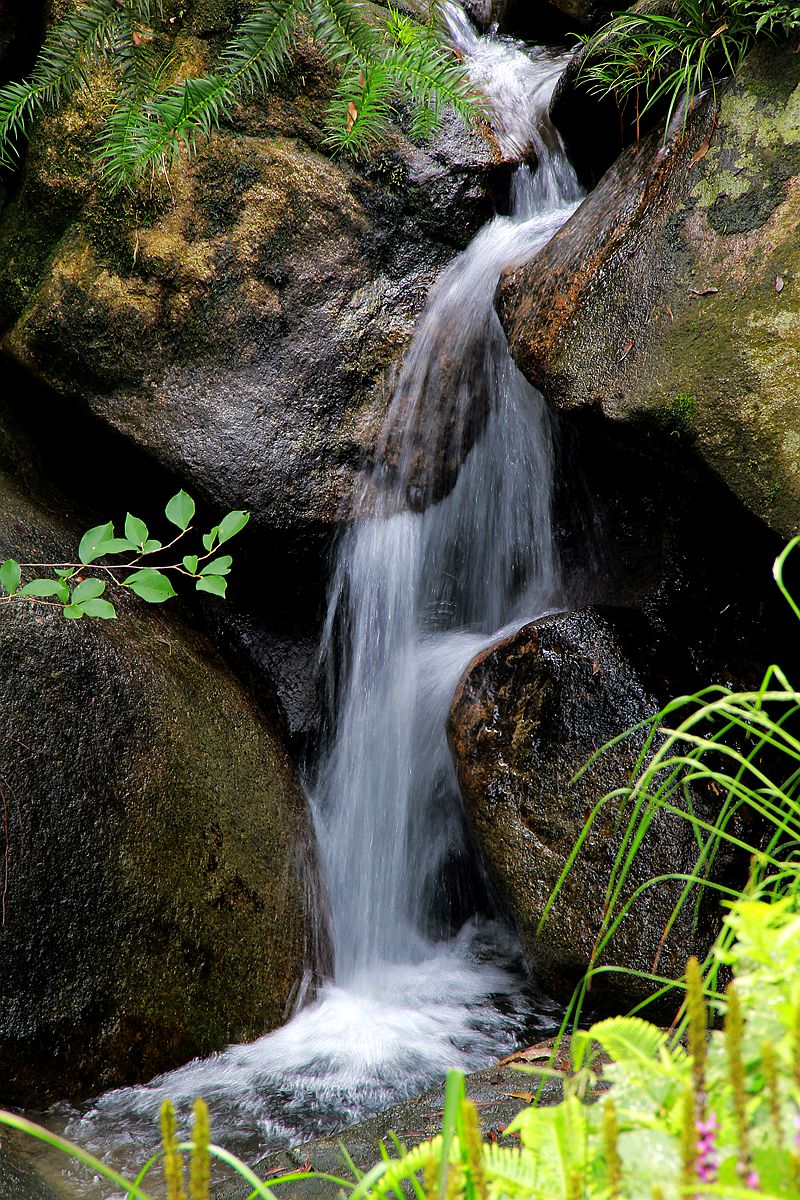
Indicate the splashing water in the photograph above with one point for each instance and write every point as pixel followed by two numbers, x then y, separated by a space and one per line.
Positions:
pixel 425 977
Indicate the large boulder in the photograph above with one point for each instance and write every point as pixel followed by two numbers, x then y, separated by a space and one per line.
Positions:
pixel 670 301
pixel 526 716
pixel 154 836
pixel 238 321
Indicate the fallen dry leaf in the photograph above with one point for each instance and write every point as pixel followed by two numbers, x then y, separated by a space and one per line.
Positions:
pixel 702 151
pixel 709 291
pixel 779 285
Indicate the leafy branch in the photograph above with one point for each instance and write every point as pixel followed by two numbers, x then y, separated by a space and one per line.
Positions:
pixel 384 62
pixel 77 594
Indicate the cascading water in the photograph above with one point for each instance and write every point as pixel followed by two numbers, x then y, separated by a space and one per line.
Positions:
pixel 418 983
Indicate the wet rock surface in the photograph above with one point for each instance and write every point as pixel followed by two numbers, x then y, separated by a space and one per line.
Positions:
pixel 669 300
pixel 493 1091
pixel 238 323
pixel 19 1180
pixel 526 716
pixel 152 872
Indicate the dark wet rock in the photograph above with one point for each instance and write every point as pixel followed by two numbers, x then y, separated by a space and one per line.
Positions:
pixel 152 879
pixel 238 323
pixel 526 716
pixel 19 1179
pixel 493 1090
pixel 595 130
pixel 670 301
pixel 542 22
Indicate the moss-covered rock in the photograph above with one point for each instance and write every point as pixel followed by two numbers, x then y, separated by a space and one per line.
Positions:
pixel 672 297
pixel 154 834
pixel 237 322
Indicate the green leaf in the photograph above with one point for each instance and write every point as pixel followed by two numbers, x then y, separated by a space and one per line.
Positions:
pixel 88 590
pixel 115 546
pixel 151 545
pixel 73 612
pixel 93 541
pixel 212 583
pixel 64 572
pixel 180 509
pixel 46 587
pixel 10 575
pixel 629 1039
pixel 150 585
pixel 135 530
pixel 191 561
pixel 99 608
pixel 208 538
pixel 218 566
pixel 232 523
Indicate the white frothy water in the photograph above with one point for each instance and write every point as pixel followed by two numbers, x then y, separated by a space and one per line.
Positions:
pixel 418 984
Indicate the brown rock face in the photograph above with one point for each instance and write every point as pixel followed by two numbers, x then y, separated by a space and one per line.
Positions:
pixel 526 716
pixel 671 299
pixel 153 839
pixel 237 324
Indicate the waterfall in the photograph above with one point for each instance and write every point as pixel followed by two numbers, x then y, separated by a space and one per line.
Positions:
pixel 454 545
pixel 416 594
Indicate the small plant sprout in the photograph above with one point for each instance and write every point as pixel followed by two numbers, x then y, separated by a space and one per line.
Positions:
pixel 79 588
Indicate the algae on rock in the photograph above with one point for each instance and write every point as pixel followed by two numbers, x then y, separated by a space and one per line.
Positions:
pixel 680 277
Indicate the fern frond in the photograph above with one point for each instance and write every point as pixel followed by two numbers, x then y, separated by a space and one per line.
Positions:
pixel 261 45
pixel 512 1172
pixel 343 32
pixel 433 78
pixel 389 1174
pixel 69 52
pixel 360 110
pixel 138 136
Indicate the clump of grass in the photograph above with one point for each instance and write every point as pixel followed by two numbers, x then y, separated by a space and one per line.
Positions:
pixel 668 58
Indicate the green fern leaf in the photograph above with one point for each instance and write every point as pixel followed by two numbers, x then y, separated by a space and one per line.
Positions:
pixel 629 1039
pixel 344 33
pixel 64 63
pixel 360 111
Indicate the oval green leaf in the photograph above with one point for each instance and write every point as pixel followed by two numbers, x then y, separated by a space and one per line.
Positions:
pixel 93 541
pixel 88 590
pixel 46 587
pixel 10 575
pixel 218 566
pixel 180 509
pixel 135 530
pixel 212 583
pixel 99 608
pixel 190 562
pixel 231 524
pixel 150 585
pixel 73 612
pixel 150 546
pixel 208 538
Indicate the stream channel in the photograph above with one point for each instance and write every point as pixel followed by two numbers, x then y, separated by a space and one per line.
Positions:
pixel 425 975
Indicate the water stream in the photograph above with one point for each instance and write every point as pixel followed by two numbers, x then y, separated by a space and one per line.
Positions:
pixel 425 975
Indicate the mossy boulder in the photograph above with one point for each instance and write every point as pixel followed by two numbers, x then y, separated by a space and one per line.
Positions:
pixel 671 300
pixel 526 715
pixel 154 839
pixel 238 321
